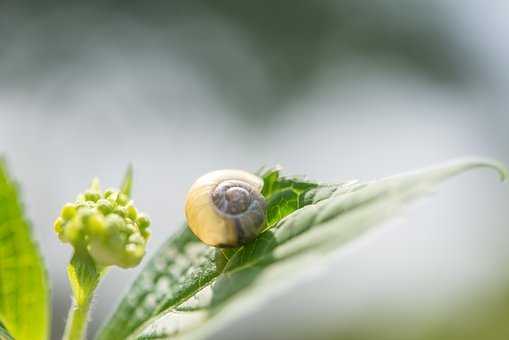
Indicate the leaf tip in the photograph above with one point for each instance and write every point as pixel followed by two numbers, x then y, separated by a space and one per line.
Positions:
pixel 127 182
pixel 499 167
pixel 466 163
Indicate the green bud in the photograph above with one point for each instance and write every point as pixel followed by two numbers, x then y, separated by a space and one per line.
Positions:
pixel 113 198
pixel 68 211
pixel 122 199
pixel 145 233
pixel 115 223
pixel 58 225
pixel 104 206
pixel 143 221
pixel 85 213
pixel 91 196
pixel 106 225
pixel 121 211
pixel 134 250
pixel 96 225
pixel 132 213
pixel 115 243
pixel 130 228
pixel 107 193
pixel 136 239
pixel 134 255
pixel 72 231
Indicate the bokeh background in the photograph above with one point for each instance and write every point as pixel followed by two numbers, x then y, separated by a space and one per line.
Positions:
pixel 331 89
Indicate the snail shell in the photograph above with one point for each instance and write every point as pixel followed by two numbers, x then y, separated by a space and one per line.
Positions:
pixel 225 208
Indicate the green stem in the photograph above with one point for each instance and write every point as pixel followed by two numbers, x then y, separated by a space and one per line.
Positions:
pixel 77 320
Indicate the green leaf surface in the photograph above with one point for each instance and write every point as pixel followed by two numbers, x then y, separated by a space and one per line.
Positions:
pixel 84 275
pixel 24 294
pixel 283 195
pixel 191 290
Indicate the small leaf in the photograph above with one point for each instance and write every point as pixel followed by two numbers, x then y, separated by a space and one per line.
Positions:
pixel 127 182
pixel 84 275
pixel 328 216
pixel 282 194
pixel 24 295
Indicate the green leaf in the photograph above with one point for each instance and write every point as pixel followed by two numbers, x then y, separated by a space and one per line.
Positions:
pixel 84 275
pixel 24 295
pixel 191 289
pixel 183 265
pixel 283 195
pixel 127 182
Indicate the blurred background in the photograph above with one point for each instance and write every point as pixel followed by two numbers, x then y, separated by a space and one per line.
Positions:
pixel 331 89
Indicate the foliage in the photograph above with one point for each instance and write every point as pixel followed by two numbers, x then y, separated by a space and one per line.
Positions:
pixel 191 289
pixel 24 294
pixel 188 288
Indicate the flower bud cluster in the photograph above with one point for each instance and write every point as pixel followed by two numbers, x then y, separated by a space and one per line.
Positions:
pixel 105 224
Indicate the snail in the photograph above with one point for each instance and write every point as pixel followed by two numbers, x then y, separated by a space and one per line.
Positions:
pixel 225 208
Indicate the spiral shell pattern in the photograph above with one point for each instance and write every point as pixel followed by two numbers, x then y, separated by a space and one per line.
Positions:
pixel 225 208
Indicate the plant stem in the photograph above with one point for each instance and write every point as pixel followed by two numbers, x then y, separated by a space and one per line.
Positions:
pixel 77 320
